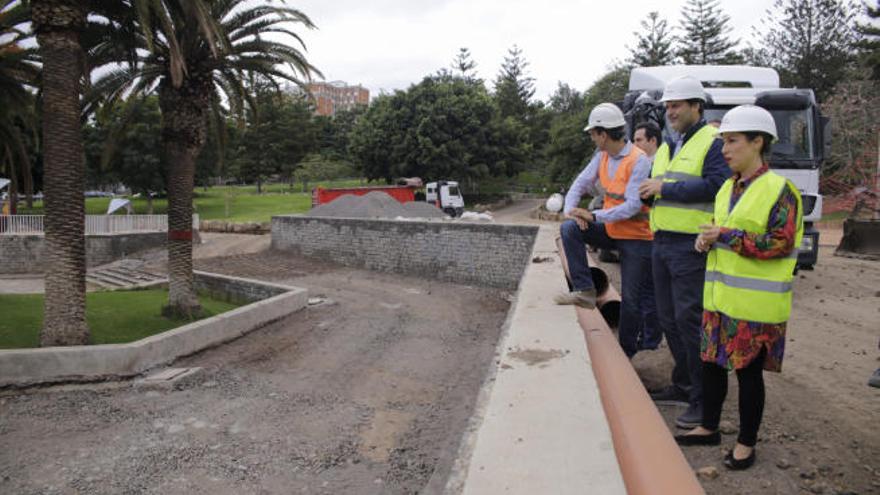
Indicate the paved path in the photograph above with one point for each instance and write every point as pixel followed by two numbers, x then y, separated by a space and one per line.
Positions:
pixel 540 427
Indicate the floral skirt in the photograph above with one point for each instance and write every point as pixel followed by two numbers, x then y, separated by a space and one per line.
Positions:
pixel 733 344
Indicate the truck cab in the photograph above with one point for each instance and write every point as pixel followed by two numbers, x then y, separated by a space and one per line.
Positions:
pixel 804 134
pixel 446 196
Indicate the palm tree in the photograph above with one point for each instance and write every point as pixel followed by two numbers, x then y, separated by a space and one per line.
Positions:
pixel 197 54
pixel 19 72
pixel 59 24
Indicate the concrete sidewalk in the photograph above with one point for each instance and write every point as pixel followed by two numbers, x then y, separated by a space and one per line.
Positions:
pixel 539 426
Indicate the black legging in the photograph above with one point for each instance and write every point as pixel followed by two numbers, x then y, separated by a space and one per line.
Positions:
pixel 751 397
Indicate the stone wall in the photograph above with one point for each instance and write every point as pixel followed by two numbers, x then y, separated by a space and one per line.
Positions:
pixel 492 255
pixel 25 253
pixel 222 226
pixel 236 290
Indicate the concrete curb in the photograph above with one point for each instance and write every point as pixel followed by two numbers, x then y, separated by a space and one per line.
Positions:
pixel 24 367
pixel 538 425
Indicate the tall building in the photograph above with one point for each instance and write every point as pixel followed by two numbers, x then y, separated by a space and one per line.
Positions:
pixel 332 97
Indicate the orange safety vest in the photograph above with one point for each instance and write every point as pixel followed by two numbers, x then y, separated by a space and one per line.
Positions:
pixel 637 226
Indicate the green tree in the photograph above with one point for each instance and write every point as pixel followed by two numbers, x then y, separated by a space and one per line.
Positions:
pixel 705 34
pixel 464 66
pixel 870 42
pixel 279 134
pixel 611 87
pixel 334 133
pixel 514 88
pixel 654 47
pixel 316 167
pixel 567 143
pixel 443 127
pixel 220 41
pixel 810 42
pixel 131 150
pixel 566 99
pixel 19 74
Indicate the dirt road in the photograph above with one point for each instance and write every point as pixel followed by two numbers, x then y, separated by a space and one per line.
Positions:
pixel 367 393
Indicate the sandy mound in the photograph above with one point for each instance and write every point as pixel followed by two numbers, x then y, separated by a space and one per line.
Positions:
pixel 375 204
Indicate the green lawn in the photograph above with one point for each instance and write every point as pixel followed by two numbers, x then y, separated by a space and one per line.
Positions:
pixel 113 317
pixel 245 205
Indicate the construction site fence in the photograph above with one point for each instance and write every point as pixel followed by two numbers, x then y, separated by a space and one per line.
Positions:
pixel 94 225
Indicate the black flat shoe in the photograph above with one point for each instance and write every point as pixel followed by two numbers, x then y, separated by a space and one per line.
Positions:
pixel 688 440
pixel 738 464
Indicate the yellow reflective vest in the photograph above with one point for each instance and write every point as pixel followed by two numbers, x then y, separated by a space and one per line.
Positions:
pixel 675 216
pixel 751 289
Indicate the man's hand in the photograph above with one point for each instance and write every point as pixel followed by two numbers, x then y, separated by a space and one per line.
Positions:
pixel 650 188
pixel 581 216
pixel 708 236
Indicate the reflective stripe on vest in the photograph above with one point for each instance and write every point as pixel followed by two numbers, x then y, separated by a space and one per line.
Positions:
pixel 635 227
pixel 748 288
pixel 675 216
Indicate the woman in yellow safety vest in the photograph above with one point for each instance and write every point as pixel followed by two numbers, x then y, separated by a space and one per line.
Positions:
pixel 752 247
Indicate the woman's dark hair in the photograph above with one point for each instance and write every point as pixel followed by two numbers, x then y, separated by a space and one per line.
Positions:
pixel 766 145
pixel 615 133
pixel 652 131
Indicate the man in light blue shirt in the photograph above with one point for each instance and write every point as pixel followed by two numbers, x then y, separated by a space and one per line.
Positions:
pixel 587 183
pixel 616 170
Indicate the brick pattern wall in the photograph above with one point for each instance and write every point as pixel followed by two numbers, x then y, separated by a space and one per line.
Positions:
pixel 481 254
pixel 233 289
pixel 25 253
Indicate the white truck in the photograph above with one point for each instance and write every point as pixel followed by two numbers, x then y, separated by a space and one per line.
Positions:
pixel 804 134
pixel 449 199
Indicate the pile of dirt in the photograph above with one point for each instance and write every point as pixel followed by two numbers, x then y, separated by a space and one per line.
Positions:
pixel 374 205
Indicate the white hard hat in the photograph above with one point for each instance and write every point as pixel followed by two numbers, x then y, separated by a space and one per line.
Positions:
pixel 554 202
pixel 683 88
pixel 748 118
pixel 605 115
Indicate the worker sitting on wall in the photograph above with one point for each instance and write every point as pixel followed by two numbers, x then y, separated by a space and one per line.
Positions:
pixel 622 223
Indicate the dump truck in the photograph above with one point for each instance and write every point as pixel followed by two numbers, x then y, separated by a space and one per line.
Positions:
pixel 804 133
pixel 444 194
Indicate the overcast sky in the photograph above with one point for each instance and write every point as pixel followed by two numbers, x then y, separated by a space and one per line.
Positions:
pixel 390 44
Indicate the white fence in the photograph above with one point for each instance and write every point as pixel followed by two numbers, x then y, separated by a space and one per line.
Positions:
pixel 95 224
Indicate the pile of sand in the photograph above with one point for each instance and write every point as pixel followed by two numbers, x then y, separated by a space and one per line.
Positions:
pixel 375 204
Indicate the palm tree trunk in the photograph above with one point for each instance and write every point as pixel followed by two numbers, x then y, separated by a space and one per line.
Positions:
pixel 184 126
pixel 58 24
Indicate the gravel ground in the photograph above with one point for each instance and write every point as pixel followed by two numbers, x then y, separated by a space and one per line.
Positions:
pixel 366 393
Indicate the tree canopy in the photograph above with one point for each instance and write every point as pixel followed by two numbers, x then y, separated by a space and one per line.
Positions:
pixel 705 34
pixel 441 128
pixel 654 47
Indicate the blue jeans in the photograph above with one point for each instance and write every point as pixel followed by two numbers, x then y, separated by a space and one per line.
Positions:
pixel 635 275
pixel 679 272
pixel 651 335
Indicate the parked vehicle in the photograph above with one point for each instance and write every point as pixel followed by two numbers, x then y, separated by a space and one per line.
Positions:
pixel 446 196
